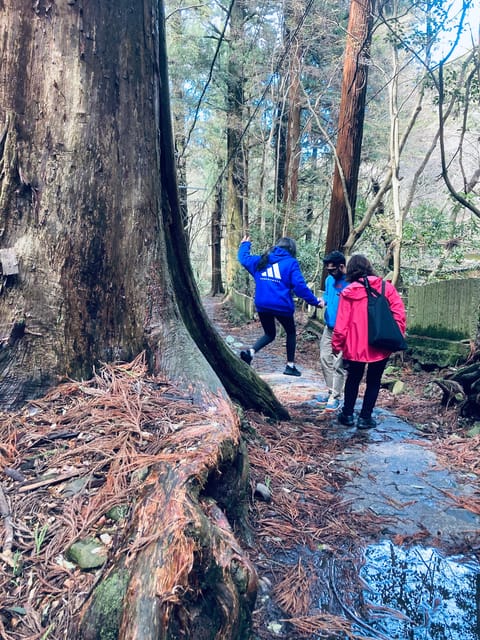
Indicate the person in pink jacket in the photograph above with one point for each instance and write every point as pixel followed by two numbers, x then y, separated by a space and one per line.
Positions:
pixel 350 337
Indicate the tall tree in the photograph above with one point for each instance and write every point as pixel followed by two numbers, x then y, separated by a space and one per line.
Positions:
pixel 90 210
pixel 216 240
pixel 350 123
pixel 294 100
pixel 179 124
pixel 236 197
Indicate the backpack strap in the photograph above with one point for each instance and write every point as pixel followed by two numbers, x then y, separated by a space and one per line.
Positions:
pixel 371 292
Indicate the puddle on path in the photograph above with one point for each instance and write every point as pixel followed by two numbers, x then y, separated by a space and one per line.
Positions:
pixel 405 593
pixel 416 594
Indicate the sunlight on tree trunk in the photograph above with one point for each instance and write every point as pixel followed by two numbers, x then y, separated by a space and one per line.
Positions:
pixel 236 205
pixel 395 161
pixel 292 151
pixel 350 124
pixel 179 124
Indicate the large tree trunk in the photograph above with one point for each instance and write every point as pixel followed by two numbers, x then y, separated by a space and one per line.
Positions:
pixel 80 198
pixel 90 207
pixel 236 200
pixel 350 124
pixel 293 151
pixel 79 191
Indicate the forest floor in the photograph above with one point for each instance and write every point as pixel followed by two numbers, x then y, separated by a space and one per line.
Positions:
pixel 69 459
pixel 333 491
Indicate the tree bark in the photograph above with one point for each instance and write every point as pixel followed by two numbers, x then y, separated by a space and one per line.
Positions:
pixel 236 201
pixel 179 120
pixel 180 571
pixel 78 191
pixel 292 154
pixel 350 124
pixel 90 208
pixel 80 203
pixel 216 240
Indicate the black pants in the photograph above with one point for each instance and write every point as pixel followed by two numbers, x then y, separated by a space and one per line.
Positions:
pixel 354 377
pixel 268 324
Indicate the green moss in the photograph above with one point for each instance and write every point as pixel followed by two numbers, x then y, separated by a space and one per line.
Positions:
pixel 439 333
pixel 103 619
pixel 437 352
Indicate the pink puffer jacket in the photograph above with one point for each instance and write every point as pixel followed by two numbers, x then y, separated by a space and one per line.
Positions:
pixel 350 334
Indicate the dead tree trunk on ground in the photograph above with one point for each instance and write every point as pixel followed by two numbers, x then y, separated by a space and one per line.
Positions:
pixel 463 388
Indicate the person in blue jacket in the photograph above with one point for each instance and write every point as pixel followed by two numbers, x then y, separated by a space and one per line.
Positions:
pixel 332 365
pixel 277 277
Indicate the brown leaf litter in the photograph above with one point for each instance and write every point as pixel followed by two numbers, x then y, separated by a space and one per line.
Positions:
pixel 80 451
pixel 72 457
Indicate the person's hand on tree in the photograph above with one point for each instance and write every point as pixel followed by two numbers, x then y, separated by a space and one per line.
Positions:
pixel 246 238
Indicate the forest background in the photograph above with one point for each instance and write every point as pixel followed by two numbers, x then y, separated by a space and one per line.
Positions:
pixel 256 97
pixel 100 270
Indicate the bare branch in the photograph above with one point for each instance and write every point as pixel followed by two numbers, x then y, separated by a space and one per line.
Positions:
pixel 457 196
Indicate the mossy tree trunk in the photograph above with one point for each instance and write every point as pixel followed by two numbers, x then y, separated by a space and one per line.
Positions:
pixel 236 196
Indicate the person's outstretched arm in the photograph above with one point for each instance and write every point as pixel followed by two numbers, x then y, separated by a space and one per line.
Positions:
pixel 300 287
pixel 245 258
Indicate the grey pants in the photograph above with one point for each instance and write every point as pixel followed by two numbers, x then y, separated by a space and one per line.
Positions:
pixel 332 366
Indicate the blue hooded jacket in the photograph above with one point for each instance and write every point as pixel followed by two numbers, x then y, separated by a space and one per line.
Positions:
pixel 331 297
pixel 277 282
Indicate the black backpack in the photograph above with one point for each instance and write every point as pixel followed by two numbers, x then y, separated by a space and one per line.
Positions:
pixel 383 330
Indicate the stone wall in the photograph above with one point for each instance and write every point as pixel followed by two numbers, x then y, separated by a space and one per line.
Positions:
pixel 443 320
pixel 243 304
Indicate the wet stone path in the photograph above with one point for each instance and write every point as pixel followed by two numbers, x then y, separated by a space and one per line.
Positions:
pixel 423 592
pixel 393 473
pixel 397 476
pixel 413 591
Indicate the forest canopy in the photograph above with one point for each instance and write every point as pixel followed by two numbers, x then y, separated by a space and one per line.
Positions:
pixel 256 93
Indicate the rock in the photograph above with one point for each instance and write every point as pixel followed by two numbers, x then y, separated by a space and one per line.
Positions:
pixel 118 512
pixel 263 492
pixel 88 553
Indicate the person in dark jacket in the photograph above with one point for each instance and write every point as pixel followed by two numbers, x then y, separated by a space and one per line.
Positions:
pixel 277 277
pixel 350 337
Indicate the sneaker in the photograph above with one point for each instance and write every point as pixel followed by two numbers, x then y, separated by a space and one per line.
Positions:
pixel 291 371
pixel 322 398
pixel 348 421
pixel 332 404
pixel 246 356
pixel 366 423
